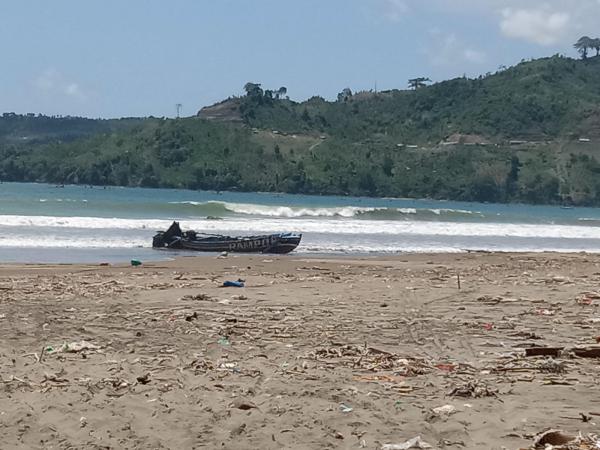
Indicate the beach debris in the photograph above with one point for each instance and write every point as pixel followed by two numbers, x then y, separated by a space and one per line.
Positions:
pixel 587 298
pixel 559 280
pixel 447 367
pixel 82 421
pixel 345 408
pixel 473 389
pixel 55 377
pixel 190 317
pixel 552 437
pixel 223 341
pixel 543 351
pixel 73 347
pixel 136 262
pixel 370 359
pixel 444 411
pixel 238 283
pixel 560 440
pixel 238 430
pixel 239 297
pixel 551 365
pixel 490 300
pixel 378 378
pixel 527 335
pixel 144 379
pixel 199 297
pixel 223 255
pixel 243 405
pixel 587 352
pixel 415 442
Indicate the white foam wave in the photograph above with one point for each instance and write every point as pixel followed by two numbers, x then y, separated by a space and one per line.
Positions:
pixel 298 211
pixel 313 225
pixel 290 212
pixel 28 241
pixel 440 211
pixel 61 200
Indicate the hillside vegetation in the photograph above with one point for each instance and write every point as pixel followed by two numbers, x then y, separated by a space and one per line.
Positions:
pixel 530 133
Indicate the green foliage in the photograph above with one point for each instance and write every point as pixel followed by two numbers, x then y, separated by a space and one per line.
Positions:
pixel 586 43
pixel 379 144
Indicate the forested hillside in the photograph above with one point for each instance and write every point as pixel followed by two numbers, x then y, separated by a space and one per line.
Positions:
pixel 530 133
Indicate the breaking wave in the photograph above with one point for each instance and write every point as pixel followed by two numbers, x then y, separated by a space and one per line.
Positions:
pixel 330 226
pixel 221 209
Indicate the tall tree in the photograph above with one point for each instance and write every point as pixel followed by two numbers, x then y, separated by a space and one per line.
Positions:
pixel 417 83
pixel 345 95
pixel 583 44
pixel 595 44
pixel 253 90
pixel 281 92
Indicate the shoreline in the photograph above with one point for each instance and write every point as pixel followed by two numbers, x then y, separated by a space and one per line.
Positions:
pixel 312 353
pixel 126 254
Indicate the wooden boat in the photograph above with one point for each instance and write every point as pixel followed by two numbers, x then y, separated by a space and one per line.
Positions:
pixel 190 240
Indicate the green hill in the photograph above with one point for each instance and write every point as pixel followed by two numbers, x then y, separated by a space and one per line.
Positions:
pixel 530 133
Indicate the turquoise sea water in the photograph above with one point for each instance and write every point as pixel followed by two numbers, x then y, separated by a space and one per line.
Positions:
pixel 46 223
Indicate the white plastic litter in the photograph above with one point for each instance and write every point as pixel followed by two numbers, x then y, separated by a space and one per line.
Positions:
pixel 415 442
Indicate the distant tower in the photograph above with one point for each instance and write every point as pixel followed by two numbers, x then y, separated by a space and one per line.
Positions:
pixel 178 107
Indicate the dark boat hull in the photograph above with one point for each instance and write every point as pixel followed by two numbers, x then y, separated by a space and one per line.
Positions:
pixel 174 238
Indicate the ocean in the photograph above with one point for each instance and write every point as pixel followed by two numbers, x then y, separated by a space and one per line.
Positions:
pixel 55 224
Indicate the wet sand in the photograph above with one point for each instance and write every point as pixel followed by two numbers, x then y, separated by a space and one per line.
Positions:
pixel 310 354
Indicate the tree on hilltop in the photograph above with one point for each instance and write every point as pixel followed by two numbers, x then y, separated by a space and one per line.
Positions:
pixel 417 83
pixel 280 93
pixel 583 45
pixel 345 95
pixel 595 44
pixel 253 90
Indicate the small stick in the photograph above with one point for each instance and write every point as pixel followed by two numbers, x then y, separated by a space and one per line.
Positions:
pixel 42 354
pixel 458 280
pixel 35 355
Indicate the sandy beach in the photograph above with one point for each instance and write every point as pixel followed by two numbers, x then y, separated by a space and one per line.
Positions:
pixel 310 354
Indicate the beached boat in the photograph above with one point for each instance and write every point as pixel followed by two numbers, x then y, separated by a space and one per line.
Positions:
pixel 190 240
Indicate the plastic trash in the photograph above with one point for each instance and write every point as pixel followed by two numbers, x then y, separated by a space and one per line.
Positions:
pixel 345 408
pixel 136 262
pixel 223 341
pixel 239 284
pixel 415 442
pixel 73 347
pixel 445 410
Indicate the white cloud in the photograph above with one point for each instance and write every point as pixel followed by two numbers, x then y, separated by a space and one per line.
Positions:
pixel 47 80
pixel 52 82
pixel 395 10
pixel 543 22
pixel 449 50
pixel 475 56
pixel 535 25
pixel 74 90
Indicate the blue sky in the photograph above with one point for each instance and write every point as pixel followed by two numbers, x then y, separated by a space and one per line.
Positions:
pixel 116 58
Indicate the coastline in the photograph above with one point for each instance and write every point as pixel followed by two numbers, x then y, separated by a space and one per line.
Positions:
pixel 314 352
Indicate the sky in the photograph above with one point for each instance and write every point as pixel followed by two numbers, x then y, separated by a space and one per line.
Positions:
pixel 123 58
